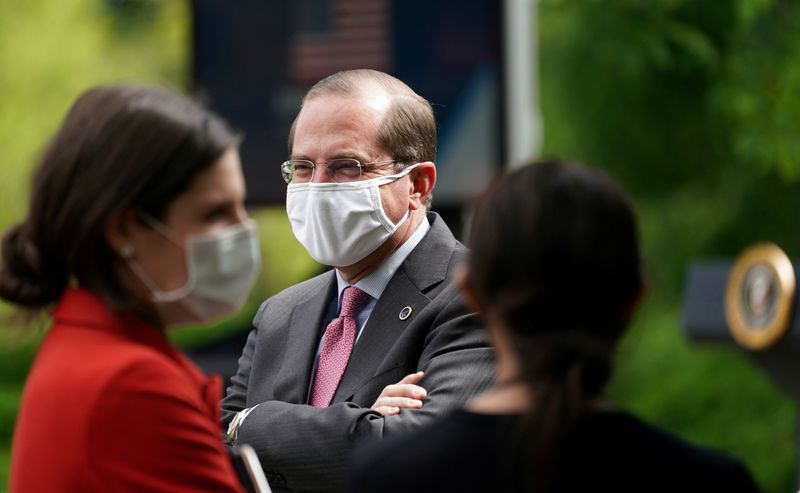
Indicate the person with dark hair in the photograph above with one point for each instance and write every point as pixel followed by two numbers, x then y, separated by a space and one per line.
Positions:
pixel 555 272
pixel 136 223
pixel 382 343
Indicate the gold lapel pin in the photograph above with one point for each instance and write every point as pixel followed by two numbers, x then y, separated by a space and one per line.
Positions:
pixel 405 313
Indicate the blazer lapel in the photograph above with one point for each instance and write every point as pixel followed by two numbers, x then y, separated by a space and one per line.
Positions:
pixel 424 267
pixel 303 335
pixel 380 334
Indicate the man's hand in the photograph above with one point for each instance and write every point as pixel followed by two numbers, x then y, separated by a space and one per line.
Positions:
pixel 403 394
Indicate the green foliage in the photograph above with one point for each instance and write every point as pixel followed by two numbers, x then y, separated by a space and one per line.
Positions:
pixel 693 106
pixel 51 53
pixel 757 91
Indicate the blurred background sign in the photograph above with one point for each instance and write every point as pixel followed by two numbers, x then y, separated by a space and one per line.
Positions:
pixel 254 60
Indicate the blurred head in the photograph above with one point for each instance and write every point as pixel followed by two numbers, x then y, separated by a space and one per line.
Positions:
pixel 555 271
pixel 132 172
pixel 377 120
pixel 555 263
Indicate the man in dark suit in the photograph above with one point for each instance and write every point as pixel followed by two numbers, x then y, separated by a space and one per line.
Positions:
pixel 382 343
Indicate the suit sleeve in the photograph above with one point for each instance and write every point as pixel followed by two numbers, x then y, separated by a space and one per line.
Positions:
pixel 307 448
pixel 236 395
pixel 152 432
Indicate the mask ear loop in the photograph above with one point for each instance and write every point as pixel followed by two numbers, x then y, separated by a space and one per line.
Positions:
pixel 156 293
pixel 386 179
pixel 378 205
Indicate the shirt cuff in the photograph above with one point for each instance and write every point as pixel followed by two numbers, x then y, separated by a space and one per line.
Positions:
pixel 236 422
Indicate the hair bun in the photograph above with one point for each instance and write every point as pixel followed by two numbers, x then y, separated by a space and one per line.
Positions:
pixel 25 278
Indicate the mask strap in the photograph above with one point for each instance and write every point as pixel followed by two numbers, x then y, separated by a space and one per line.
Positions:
pixel 384 219
pixel 403 173
pixel 156 293
pixel 396 176
pixel 404 219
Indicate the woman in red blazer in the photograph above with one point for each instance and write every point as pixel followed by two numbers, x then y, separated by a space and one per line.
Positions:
pixel 136 222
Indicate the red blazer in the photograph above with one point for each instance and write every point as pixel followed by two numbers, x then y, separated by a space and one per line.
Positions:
pixel 111 406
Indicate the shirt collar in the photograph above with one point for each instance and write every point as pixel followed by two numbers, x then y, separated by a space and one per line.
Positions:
pixel 376 281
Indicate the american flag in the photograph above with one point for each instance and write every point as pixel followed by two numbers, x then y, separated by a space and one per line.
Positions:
pixel 357 35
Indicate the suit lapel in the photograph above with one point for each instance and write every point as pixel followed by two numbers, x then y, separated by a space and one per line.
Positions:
pixel 427 264
pixel 303 335
pixel 424 267
pixel 380 334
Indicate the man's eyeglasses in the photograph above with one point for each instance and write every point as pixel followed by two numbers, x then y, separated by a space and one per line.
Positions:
pixel 342 170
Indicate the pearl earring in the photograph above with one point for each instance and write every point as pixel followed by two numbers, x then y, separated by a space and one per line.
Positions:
pixel 126 251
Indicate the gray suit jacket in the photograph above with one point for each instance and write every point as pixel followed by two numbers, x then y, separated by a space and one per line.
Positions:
pixel 303 448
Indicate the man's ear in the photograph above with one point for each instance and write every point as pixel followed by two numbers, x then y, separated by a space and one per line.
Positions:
pixel 423 179
pixel 122 231
pixel 468 294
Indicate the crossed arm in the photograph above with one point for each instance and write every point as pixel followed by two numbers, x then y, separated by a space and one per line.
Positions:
pixel 307 448
pixel 404 394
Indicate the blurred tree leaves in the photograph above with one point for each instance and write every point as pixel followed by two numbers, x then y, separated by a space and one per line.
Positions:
pixel 694 106
pixel 50 52
pixel 757 90
pixel 678 97
pixel 130 16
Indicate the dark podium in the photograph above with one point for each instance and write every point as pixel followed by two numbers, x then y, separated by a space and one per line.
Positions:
pixel 752 303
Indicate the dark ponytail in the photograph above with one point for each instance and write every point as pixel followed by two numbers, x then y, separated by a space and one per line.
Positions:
pixel 119 148
pixel 555 258
pixel 565 371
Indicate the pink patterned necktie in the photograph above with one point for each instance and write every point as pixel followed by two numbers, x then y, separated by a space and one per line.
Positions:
pixel 340 335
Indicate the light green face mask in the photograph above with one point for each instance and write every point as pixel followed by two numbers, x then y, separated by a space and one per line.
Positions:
pixel 221 266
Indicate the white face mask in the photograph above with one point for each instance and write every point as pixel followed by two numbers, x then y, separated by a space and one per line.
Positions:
pixel 341 223
pixel 221 268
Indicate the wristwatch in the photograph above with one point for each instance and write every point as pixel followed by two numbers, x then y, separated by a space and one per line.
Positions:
pixel 236 422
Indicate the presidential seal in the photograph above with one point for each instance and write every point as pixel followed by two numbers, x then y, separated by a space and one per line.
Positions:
pixel 759 297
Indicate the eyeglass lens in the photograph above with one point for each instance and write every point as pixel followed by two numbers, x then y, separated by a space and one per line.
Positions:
pixel 339 170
